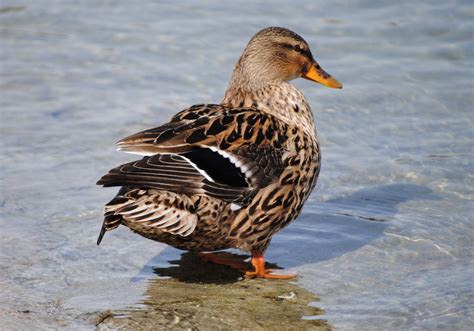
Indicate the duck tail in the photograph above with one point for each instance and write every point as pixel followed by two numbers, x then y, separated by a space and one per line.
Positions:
pixel 111 222
pixel 111 219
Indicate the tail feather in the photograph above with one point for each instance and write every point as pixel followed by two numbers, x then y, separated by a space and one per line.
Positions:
pixel 111 222
pixel 101 234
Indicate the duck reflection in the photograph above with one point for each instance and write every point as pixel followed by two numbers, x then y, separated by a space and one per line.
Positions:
pixel 191 268
pixel 191 294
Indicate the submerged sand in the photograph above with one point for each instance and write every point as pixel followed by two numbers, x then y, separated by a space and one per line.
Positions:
pixel 203 296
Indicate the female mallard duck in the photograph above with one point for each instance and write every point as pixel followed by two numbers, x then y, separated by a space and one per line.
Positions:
pixel 227 175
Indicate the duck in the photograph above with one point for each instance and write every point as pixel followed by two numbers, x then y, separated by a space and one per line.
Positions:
pixel 228 175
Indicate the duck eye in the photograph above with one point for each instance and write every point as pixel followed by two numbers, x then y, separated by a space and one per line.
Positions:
pixel 297 48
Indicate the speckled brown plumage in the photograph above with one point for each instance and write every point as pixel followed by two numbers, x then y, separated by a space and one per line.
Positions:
pixel 227 175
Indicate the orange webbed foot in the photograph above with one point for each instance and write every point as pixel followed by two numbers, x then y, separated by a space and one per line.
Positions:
pixel 238 262
pixel 258 261
pixel 270 274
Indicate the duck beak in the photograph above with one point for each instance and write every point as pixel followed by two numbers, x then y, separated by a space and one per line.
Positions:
pixel 318 75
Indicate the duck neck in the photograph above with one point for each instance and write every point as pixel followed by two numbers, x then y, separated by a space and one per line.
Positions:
pixel 282 100
pixel 249 76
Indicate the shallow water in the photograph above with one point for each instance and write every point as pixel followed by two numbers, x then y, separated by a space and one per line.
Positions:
pixel 386 238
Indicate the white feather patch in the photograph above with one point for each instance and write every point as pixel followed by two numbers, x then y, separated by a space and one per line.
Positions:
pixel 234 207
pixel 120 149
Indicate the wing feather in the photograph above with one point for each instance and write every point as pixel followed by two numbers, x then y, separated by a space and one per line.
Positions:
pixel 171 173
pixel 251 139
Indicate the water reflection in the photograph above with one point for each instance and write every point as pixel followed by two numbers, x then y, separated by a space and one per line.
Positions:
pixel 192 294
pixel 190 268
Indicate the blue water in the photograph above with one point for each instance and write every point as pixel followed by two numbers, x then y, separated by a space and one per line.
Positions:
pixel 386 239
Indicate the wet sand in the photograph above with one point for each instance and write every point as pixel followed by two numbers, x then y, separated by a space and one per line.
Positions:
pixel 196 295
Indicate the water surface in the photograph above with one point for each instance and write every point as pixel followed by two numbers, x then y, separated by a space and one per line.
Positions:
pixel 385 239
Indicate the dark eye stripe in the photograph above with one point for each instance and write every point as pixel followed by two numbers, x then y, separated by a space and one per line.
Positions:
pixel 285 45
pixel 305 52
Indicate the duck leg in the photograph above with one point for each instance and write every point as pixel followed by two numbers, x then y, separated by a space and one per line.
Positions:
pixel 237 262
pixel 258 261
pixel 225 258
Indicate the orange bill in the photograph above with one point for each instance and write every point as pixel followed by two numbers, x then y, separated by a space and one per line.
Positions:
pixel 318 75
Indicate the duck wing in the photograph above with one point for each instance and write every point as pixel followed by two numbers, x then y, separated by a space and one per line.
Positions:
pixel 175 173
pixel 226 153
pixel 252 141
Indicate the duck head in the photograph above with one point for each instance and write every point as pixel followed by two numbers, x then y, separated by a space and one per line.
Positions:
pixel 276 55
